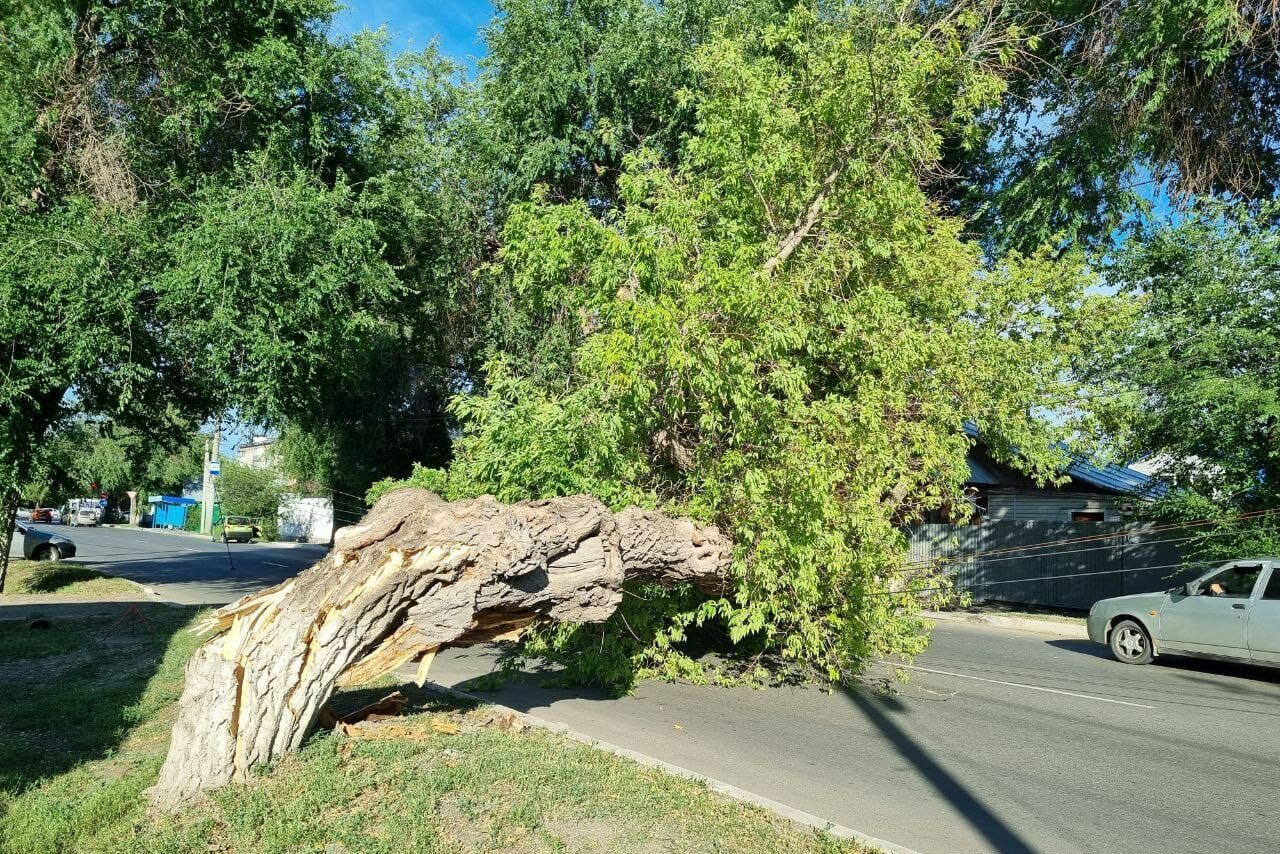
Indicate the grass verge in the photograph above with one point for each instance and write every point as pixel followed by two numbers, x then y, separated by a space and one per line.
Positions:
pixel 87 723
pixel 33 576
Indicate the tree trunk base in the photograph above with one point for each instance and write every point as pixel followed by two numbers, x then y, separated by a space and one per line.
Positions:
pixel 417 574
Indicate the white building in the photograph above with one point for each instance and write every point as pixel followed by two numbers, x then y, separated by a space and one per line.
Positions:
pixel 257 453
pixel 305 520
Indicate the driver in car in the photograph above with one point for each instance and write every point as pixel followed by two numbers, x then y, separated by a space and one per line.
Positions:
pixel 1216 589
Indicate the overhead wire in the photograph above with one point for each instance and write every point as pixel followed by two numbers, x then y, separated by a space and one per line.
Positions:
pixel 1254 514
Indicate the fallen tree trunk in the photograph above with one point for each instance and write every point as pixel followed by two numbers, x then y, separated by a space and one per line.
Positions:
pixel 415 575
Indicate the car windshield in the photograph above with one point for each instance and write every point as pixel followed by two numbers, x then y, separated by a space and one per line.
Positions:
pixel 237 520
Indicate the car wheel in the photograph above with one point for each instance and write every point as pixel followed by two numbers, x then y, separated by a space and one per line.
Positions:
pixel 48 553
pixel 1130 643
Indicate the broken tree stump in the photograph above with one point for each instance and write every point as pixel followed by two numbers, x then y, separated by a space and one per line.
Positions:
pixel 417 574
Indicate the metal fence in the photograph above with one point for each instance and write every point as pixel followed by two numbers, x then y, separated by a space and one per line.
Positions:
pixel 1058 564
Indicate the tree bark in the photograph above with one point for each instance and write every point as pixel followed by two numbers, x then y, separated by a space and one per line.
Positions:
pixel 8 519
pixel 417 574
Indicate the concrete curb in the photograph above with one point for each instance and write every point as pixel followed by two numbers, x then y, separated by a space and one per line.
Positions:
pixel 805 819
pixel 1026 624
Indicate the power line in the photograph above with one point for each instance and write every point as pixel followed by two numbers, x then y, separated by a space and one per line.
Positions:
pixel 984 561
pixel 1255 514
pixel 951 588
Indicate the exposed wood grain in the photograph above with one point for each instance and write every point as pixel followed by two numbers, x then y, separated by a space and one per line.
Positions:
pixel 416 574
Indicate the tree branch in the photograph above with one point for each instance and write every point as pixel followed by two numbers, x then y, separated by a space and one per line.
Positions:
pixel 805 222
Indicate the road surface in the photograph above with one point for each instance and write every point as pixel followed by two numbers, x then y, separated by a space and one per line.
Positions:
pixel 183 567
pixel 1004 741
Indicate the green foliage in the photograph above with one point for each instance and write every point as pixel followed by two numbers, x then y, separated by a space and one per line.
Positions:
pixel 1119 99
pixel 436 480
pixel 195 513
pixel 570 89
pixel 1203 369
pixel 252 492
pixel 782 335
pixel 210 207
pixel 117 459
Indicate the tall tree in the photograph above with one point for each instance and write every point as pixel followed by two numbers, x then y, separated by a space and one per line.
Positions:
pixel 1203 371
pixel 179 230
pixel 1118 103
pixel 781 334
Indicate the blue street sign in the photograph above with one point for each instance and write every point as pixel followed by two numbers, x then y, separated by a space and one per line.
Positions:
pixel 102 502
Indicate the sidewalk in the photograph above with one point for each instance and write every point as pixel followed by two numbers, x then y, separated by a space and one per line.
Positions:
pixel 1063 628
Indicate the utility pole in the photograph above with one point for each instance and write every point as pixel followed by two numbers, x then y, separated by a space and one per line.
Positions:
pixel 211 455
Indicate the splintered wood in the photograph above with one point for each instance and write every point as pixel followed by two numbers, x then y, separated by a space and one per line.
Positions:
pixel 416 575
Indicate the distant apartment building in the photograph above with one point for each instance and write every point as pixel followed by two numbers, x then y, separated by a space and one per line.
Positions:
pixel 256 453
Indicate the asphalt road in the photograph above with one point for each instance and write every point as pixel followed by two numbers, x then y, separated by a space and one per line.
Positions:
pixel 1008 741
pixel 184 567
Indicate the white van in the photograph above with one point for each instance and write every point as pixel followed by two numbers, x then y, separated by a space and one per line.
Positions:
pixel 84 515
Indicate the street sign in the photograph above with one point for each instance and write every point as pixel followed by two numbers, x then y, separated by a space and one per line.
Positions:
pixel 102 502
pixel 214 467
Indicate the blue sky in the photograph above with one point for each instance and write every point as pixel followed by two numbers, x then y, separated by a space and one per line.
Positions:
pixel 414 23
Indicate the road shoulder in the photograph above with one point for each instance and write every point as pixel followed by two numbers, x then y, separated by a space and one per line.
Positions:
pixel 1057 628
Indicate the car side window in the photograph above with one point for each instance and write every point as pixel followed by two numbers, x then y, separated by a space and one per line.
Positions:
pixel 1234 582
pixel 1273 586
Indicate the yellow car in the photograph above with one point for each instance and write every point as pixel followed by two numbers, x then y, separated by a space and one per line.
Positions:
pixel 240 529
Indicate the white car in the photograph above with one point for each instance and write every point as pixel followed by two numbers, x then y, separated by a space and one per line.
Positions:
pixel 1231 612
pixel 84 516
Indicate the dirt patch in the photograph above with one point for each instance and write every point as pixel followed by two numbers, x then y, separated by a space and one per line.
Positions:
pixel 459 826
pixel 585 834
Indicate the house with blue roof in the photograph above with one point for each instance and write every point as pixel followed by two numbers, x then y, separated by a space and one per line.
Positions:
pixel 1065 545
pixel 1092 492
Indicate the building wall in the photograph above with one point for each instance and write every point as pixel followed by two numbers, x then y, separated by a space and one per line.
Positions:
pixel 1059 564
pixel 305 520
pixel 256 454
pixel 1048 506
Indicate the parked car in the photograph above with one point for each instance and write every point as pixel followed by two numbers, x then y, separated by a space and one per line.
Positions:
pixel 24 514
pixel 55 516
pixel 42 514
pixel 44 545
pixel 1231 612
pixel 239 529
pixel 84 515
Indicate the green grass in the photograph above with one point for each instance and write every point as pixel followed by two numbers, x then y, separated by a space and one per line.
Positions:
pixel 30 576
pixel 86 722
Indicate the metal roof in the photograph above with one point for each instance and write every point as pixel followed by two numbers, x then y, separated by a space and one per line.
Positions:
pixel 1108 477
pixel 1114 478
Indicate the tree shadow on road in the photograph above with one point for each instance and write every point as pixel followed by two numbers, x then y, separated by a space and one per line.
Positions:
pixel 1184 666
pixel 881 711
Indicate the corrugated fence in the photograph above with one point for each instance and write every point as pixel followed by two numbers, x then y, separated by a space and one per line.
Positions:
pixel 1059 564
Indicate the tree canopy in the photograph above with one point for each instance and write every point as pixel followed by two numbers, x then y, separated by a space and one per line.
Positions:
pixel 1202 370
pixel 1116 104
pixel 194 216
pixel 782 334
